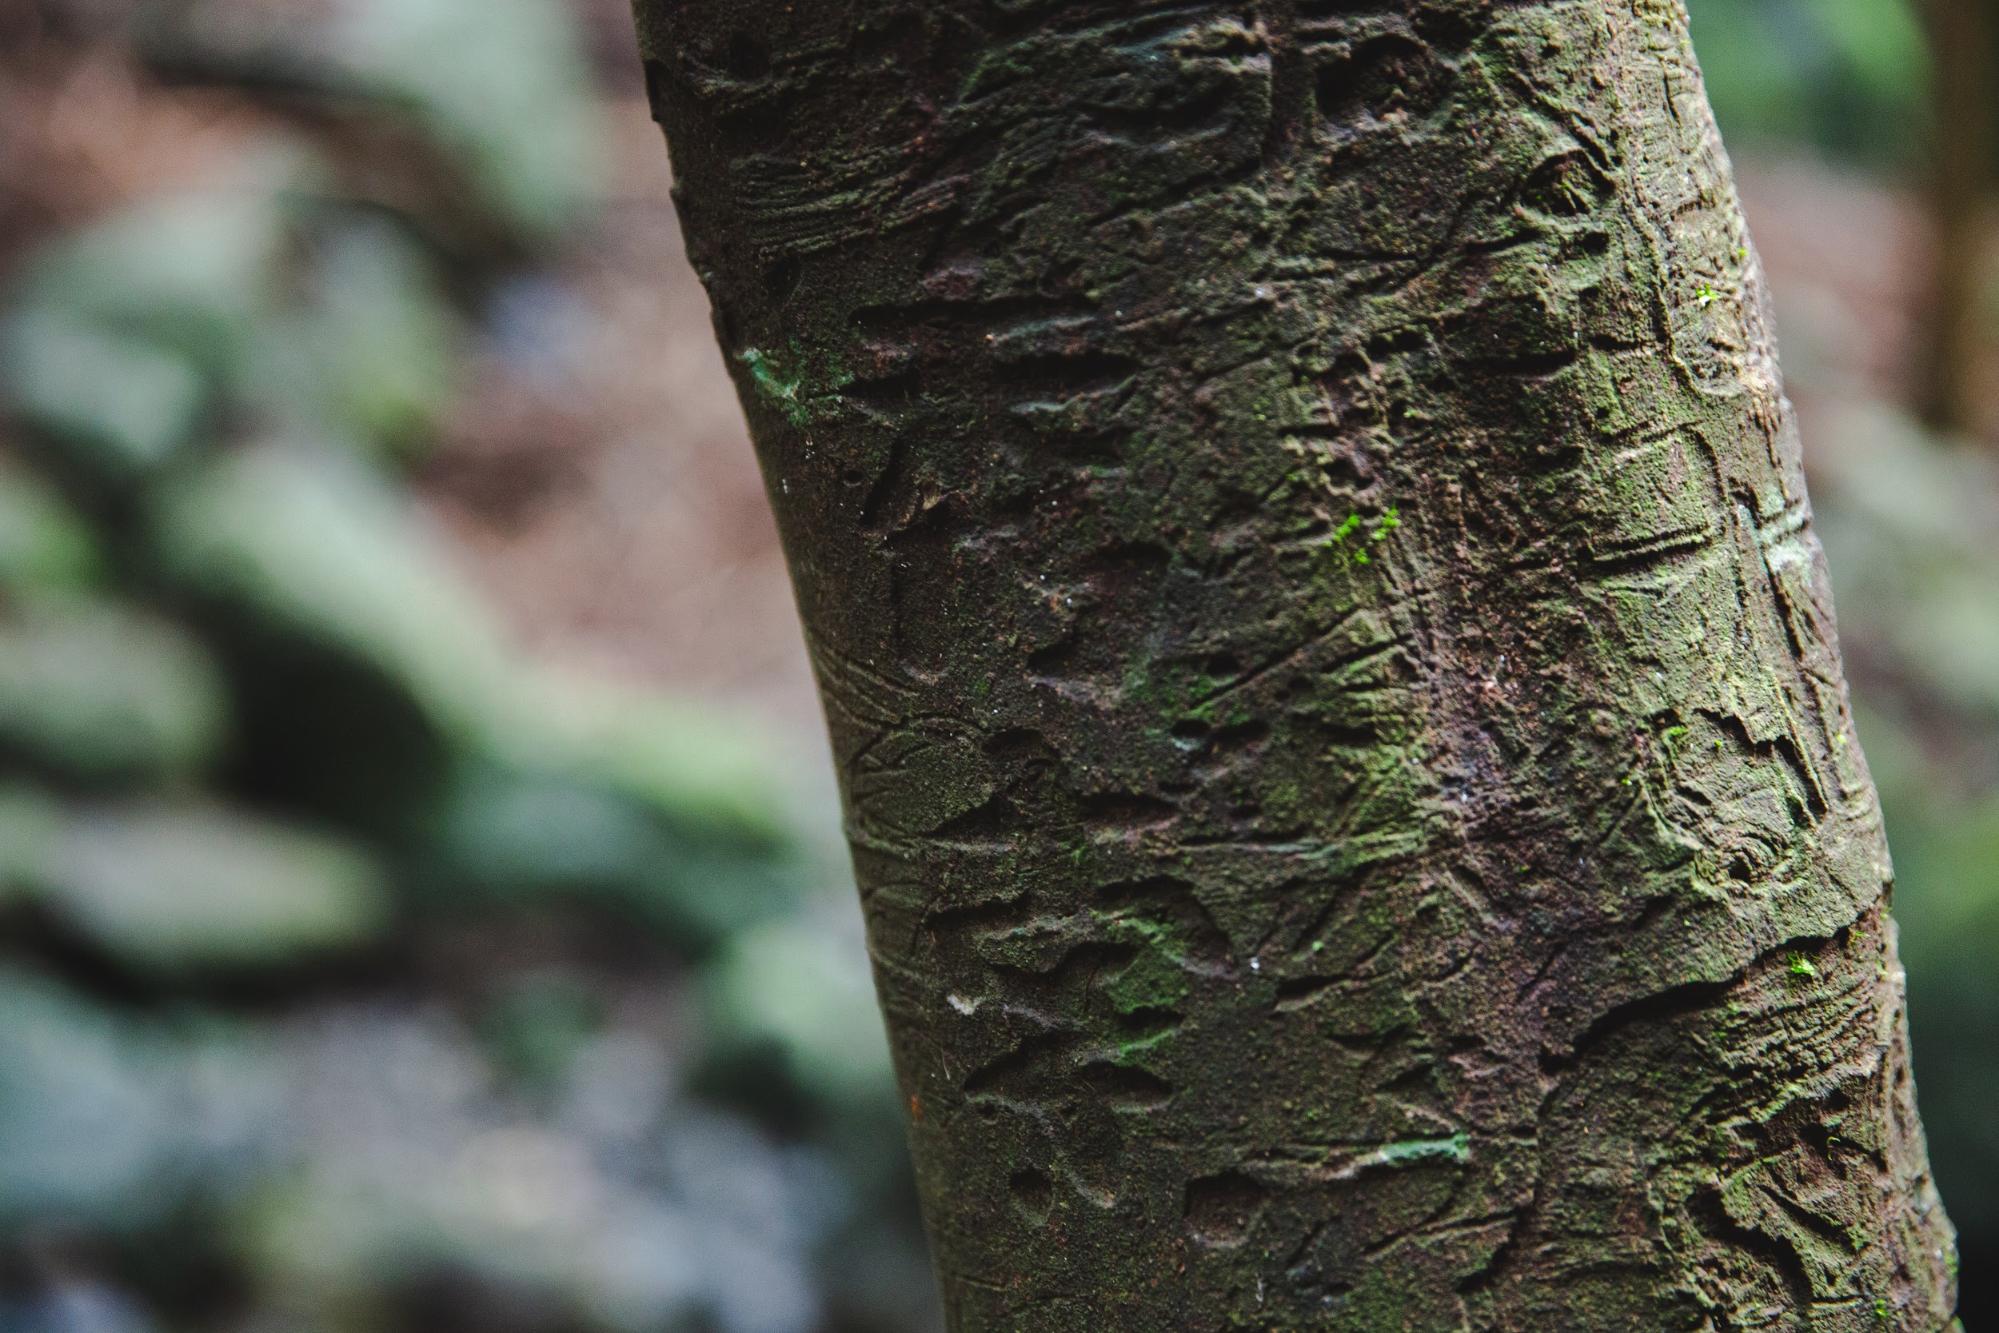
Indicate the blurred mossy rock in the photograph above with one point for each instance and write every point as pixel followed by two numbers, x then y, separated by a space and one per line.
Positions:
pixel 527 838
pixel 110 1123
pixel 372 683
pixel 97 692
pixel 306 543
pixel 729 850
pixel 1911 529
pixel 360 665
pixel 792 1013
pixel 497 91
pixel 634 1212
pixel 118 337
pixel 118 404
pixel 675 821
pixel 369 341
pixel 45 545
pixel 127 343
pixel 707 763
pixel 178 887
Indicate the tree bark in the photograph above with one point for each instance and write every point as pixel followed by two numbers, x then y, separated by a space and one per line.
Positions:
pixel 1306 559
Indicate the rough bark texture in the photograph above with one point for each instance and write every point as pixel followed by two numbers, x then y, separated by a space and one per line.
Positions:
pixel 1345 751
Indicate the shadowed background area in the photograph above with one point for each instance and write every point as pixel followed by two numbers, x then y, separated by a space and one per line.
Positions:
pixel 424 900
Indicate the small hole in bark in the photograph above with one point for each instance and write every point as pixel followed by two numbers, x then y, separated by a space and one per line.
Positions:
pixel 1054 659
pixel 1154 1020
pixel 1033 1194
pixel 1446 28
pixel 996 818
pixel 886 392
pixel 1243 734
pixel 1126 811
pixel 1379 77
pixel 1222 1209
pixel 748 58
pixel 1126 1088
pixel 781 279
pixel 1072 373
pixel 1018 743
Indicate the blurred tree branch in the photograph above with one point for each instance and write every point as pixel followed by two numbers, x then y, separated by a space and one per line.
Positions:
pixel 1965 38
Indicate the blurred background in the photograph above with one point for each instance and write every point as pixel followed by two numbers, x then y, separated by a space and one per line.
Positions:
pixel 423 901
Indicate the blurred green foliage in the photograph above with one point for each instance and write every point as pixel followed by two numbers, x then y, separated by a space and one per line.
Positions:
pixel 359 976
pixel 1847 78
pixel 1911 526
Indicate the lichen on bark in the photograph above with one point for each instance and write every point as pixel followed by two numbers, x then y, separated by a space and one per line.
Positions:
pixel 1307 562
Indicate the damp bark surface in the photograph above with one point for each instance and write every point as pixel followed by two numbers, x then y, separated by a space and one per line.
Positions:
pixel 1305 554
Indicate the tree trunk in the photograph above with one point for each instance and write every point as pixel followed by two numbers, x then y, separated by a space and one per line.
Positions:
pixel 1306 559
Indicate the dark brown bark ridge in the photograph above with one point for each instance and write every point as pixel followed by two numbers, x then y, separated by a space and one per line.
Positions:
pixel 1345 751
